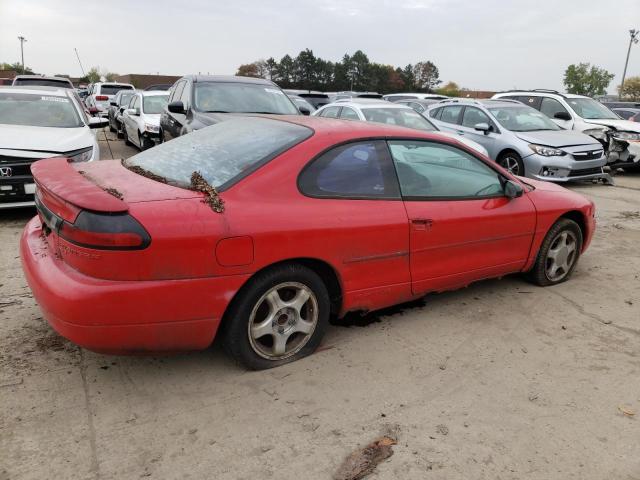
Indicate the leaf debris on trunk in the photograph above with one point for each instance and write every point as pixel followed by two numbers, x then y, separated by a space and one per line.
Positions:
pixel 145 173
pixel 114 192
pixel 199 184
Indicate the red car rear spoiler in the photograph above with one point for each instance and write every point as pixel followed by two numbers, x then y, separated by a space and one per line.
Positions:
pixel 58 177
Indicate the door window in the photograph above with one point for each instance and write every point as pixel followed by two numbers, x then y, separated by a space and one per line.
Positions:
pixel 360 170
pixel 451 114
pixel 473 116
pixel 349 114
pixel 185 95
pixel 177 92
pixel 430 170
pixel 551 106
pixel 330 112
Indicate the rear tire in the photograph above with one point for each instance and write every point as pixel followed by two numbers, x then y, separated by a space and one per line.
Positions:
pixel 280 316
pixel 558 254
pixel 512 162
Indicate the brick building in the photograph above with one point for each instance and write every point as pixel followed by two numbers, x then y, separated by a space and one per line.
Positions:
pixel 142 81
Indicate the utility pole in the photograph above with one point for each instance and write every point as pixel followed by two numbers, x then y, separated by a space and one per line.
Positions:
pixel 79 62
pixel 633 33
pixel 22 40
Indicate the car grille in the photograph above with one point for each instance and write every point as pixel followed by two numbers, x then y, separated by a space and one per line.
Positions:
pixel 18 165
pixel 585 171
pixel 587 155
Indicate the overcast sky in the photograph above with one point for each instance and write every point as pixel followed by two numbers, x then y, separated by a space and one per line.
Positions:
pixel 484 45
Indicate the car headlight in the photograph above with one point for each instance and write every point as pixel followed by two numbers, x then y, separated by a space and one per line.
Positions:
pixel 626 136
pixel 82 155
pixel 546 151
pixel 151 128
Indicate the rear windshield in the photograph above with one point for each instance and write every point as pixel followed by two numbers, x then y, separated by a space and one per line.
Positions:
pixel 222 153
pixel 398 116
pixel 43 82
pixel 154 103
pixel 38 110
pixel 235 97
pixel 113 89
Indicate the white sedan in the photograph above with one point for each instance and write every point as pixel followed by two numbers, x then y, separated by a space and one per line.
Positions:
pixel 36 123
pixel 141 119
pixel 381 111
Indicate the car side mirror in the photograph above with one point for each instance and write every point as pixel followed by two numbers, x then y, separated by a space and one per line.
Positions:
pixel 562 116
pixel 482 127
pixel 304 110
pixel 176 107
pixel 98 122
pixel 130 111
pixel 113 104
pixel 512 189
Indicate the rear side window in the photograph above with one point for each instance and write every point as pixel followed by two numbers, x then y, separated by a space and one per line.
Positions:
pixel 113 89
pixel 349 114
pixel 451 114
pixel 435 113
pixel 222 153
pixel 356 170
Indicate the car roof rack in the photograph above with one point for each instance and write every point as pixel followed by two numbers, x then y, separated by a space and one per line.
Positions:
pixel 536 90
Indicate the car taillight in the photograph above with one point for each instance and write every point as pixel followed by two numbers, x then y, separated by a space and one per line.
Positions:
pixel 102 97
pixel 105 231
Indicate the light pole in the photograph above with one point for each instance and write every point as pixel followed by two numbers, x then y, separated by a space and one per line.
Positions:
pixel 633 33
pixel 22 40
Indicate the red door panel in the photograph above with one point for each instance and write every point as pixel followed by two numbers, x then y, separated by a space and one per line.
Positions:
pixel 456 242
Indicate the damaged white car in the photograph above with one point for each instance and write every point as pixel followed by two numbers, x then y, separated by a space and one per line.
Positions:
pixel 620 138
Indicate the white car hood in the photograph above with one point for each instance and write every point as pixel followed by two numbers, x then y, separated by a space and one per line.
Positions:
pixel 469 143
pixel 44 139
pixel 620 125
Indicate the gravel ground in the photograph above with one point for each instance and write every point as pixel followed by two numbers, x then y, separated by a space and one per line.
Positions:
pixel 501 380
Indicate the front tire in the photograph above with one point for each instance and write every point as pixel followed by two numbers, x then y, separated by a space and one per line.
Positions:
pixel 280 316
pixel 558 254
pixel 512 162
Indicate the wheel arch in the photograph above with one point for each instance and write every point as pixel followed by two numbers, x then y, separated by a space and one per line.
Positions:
pixel 578 217
pixel 322 268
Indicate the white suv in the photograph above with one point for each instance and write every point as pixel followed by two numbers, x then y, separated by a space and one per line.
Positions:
pixel 100 94
pixel 620 138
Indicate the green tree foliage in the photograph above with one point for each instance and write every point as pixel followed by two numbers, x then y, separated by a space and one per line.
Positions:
pixel 450 89
pixel 93 75
pixel 356 71
pixel 427 76
pixel 17 66
pixel 631 90
pixel 587 79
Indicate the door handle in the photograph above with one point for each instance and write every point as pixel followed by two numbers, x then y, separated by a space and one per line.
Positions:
pixel 422 223
pixel 460 132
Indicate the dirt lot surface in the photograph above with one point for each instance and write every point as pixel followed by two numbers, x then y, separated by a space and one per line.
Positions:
pixel 501 380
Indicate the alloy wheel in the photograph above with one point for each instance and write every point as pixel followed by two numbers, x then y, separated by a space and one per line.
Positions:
pixel 561 255
pixel 510 164
pixel 283 320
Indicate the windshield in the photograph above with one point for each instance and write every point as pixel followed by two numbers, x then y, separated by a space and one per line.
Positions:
pixel 38 110
pixel 43 82
pixel 154 104
pixel 398 116
pixel 242 98
pixel 113 89
pixel 591 109
pixel 523 119
pixel 222 152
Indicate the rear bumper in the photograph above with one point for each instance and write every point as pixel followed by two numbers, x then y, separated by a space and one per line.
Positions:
pixel 123 317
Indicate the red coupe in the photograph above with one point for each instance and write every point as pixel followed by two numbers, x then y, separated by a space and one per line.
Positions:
pixel 262 227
